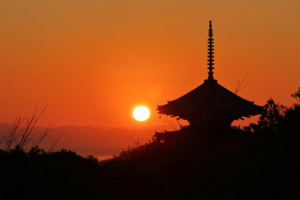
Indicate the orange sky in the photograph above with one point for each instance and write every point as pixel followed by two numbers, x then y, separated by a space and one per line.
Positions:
pixel 93 61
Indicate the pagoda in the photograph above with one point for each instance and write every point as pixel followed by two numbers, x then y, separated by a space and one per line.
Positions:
pixel 210 106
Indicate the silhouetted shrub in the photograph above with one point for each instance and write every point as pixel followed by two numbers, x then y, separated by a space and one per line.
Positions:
pixel 271 115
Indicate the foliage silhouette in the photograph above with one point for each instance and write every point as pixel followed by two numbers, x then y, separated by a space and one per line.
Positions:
pixel 296 94
pixel 40 175
pixel 271 115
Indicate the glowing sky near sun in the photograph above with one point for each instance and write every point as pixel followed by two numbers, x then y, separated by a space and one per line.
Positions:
pixel 93 61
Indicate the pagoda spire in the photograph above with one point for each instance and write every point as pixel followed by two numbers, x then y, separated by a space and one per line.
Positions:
pixel 210 53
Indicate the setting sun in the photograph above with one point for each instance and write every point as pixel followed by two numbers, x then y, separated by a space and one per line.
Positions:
pixel 141 113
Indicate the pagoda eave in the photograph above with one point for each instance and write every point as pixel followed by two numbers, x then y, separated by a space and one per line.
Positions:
pixel 195 115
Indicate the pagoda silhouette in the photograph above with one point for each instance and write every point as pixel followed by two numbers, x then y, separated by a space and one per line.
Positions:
pixel 209 108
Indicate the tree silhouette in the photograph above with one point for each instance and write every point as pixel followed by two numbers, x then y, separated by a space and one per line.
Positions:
pixel 271 115
pixel 296 94
pixel 290 124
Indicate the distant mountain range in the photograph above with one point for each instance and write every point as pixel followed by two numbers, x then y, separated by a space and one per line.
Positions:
pixel 88 140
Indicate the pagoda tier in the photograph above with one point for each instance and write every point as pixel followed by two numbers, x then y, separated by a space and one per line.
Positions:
pixel 209 101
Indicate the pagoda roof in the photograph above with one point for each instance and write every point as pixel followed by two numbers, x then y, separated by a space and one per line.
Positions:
pixel 207 97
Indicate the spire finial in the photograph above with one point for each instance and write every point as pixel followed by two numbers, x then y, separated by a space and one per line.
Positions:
pixel 210 52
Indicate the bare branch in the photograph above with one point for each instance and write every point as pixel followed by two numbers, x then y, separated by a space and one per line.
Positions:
pixel 51 148
pixel 240 86
pixel 19 136
pixel 47 131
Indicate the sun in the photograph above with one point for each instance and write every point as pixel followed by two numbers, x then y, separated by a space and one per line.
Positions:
pixel 141 113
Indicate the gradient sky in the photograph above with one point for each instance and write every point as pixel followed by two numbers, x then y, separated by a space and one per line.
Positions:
pixel 93 61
